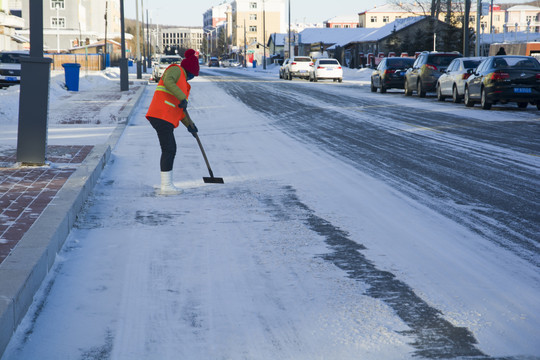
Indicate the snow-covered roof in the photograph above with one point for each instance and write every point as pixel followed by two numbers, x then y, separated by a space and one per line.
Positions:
pixel 278 39
pixel 340 37
pixel 392 8
pixel 523 8
pixel 343 19
pixel 331 35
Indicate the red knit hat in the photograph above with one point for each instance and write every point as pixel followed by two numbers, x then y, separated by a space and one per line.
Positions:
pixel 190 62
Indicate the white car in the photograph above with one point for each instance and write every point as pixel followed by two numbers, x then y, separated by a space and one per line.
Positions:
pixel 230 63
pixel 283 68
pixel 452 81
pixel 325 68
pixel 163 63
pixel 298 66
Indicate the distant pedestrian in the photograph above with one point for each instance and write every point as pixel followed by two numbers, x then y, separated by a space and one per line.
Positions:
pixel 501 51
pixel 166 111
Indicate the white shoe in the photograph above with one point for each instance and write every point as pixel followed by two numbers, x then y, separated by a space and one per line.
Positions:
pixel 167 186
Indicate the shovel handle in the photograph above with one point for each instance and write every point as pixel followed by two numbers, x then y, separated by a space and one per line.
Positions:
pixel 204 154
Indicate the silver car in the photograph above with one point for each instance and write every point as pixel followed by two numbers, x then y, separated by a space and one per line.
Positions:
pixel 452 81
pixel 163 63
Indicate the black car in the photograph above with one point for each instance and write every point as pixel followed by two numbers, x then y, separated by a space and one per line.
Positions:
pixel 10 67
pixel 214 61
pixel 426 70
pixel 504 79
pixel 390 73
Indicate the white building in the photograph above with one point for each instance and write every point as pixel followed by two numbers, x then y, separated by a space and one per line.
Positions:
pixel 9 40
pixel 181 37
pixel 71 23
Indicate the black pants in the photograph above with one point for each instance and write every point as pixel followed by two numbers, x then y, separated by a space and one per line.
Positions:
pixel 165 133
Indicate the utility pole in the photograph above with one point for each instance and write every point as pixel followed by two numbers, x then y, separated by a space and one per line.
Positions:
pixel 264 37
pixel 478 15
pixel 34 95
pixel 148 44
pixel 105 45
pixel 139 70
pixel 144 46
pixel 245 44
pixel 290 54
pixel 124 83
pixel 466 34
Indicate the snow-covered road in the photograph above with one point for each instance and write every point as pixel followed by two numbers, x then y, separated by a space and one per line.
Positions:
pixel 299 255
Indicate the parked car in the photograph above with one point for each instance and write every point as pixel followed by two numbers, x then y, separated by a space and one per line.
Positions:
pixel 163 63
pixel 325 68
pixel 390 73
pixel 298 66
pixel 426 70
pixel 504 79
pixel 230 63
pixel 10 67
pixel 283 67
pixel 452 81
pixel 213 61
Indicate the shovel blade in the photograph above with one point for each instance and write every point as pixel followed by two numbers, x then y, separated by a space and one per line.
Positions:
pixel 213 180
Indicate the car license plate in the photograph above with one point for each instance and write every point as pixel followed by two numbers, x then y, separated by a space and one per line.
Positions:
pixel 522 90
pixel 402 73
pixel 329 69
pixel 11 78
pixel 303 71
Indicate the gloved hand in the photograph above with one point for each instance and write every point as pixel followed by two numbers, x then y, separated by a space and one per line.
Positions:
pixel 190 125
pixel 192 128
pixel 183 104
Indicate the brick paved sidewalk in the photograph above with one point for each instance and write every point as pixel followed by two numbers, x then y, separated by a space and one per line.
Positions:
pixel 26 191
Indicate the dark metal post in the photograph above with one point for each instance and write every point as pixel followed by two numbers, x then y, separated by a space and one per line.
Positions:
pixel 34 95
pixel 124 83
pixel 148 43
pixel 466 50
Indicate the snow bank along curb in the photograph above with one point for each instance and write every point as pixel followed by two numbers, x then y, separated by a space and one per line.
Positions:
pixel 23 271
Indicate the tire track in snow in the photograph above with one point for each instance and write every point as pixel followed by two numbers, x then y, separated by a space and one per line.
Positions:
pixel 434 337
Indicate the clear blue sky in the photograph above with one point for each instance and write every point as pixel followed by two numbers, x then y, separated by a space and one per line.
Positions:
pixel 189 13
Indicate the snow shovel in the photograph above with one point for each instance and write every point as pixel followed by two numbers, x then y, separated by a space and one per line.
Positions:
pixel 211 179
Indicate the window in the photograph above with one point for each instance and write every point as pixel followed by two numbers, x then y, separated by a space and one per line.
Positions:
pixel 385 19
pixel 60 4
pixel 335 26
pixel 253 28
pixel 252 5
pixel 58 22
pixel 346 26
pixel 373 19
pixel 252 16
pixel 398 17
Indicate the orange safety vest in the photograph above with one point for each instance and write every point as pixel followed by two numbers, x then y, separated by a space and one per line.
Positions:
pixel 164 104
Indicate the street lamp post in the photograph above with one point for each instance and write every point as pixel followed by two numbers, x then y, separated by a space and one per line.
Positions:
pixel 124 83
pixel 264 37
pixel 137 29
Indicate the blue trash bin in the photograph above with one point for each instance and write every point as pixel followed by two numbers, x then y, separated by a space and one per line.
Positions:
pixel 72 76
pixel 254 63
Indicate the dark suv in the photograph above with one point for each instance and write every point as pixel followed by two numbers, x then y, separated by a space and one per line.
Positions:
pixel 427 68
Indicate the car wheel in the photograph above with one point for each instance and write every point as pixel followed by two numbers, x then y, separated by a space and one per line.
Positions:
pixel 522 105
pixel 310 78
pixel 408 91
pixel 467 98
pixel 373 88
pixel 280 76
pixel 440 96
pixel 420 89
pixel 340 80
pixel 383 89
pixel 315 78
pixel 455 96
pixel 289 77
pixel 486 105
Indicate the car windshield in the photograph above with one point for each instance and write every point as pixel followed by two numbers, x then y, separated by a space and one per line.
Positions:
pixel 516 62
pixel 328 62
pixel 471 64
pixel 399 63
pixel 302 59
pixel 441 60
pixel 170 60
pixel 10 58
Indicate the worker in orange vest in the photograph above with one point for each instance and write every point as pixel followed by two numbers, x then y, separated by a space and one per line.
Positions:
pixel 166 111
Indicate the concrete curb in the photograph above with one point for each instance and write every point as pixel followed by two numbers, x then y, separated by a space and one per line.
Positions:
pixel 23 271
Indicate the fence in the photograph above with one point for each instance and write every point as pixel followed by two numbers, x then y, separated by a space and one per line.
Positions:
pixel 87 62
